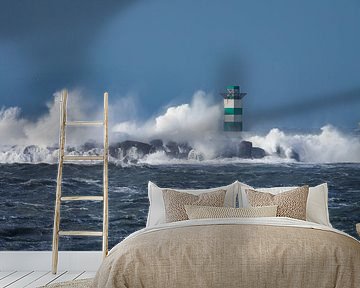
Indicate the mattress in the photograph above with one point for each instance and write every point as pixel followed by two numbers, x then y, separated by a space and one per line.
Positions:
pixel 233 252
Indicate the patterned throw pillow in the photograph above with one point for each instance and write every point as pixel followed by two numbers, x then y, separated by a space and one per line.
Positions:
pixel 175 201
pixel 201 212
pixel 290 203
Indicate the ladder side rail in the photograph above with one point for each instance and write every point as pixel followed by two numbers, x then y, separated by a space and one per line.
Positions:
pixel 105 179
pixel 55 244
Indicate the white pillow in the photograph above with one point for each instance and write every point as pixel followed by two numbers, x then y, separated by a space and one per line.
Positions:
pixel 156 213
pixel 317 202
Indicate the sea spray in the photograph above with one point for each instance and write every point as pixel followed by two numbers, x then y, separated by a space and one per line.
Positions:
pixel 328 146
pixel 194 127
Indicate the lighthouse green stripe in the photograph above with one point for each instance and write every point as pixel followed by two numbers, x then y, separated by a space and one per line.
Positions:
pixel 232 111
pixel 233 126
pixel 233 87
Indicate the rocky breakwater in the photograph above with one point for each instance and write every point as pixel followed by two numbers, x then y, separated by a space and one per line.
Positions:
pixel 243 149
pixel 132 151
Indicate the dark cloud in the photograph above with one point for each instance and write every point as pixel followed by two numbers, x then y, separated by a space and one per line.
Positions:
pixel 63 18
pixel 232 70
pixel 160 51
pixel 54 36
pixel 301 107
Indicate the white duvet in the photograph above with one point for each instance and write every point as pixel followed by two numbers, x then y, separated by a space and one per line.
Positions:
pixel 271 221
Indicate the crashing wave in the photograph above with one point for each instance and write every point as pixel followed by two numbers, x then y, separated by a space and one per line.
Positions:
pixel 185 133
pixel 328 146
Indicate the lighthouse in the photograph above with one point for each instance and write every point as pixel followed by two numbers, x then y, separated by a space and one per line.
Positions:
pixel 233 109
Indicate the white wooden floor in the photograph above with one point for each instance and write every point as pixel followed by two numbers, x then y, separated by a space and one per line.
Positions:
pixel 32 268
pixel 32 279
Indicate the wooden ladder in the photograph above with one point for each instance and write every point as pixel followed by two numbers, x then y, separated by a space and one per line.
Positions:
pixel 64 158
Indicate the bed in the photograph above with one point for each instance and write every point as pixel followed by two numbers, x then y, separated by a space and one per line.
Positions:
pixel 234 251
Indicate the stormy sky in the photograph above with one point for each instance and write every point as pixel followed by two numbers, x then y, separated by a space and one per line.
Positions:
pixel 299 61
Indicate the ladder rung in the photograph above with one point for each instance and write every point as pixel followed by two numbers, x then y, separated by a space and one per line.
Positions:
pixel 82 198
pixel 82 158
pixel 80 233
pixel 84 123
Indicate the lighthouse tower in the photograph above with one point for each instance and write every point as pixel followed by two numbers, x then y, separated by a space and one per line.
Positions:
pixel 233 109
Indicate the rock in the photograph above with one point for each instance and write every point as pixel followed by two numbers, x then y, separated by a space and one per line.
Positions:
pixel 184 150
pixel 70 149
pixel 294 155
pixel 172 148
pixel 156 146
pixel 34 153
pixel 195 155
pixel 176 150
pixel 88 146
pixel 31 149
pixel 129 151
pixel 142 147
pixel 288 153
pixel 244 149
pixel 31 152
pixel 257 153
pixel 133 154
pixel 280 152
pixel 113 151
pixel 227 151
pixel 157 143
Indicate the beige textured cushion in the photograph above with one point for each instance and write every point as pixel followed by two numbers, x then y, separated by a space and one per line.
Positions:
pixel 175 201
pixel 201 212
pixel 156 213
pixel 317 202
pixel 290 204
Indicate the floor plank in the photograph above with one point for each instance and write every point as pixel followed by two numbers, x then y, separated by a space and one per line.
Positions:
pixel 68 276
pixel 32 279
pixel 41 260
pixel 4 274
pixel 13 277
pixel 28 279
pixel 87 274
pixel 46 279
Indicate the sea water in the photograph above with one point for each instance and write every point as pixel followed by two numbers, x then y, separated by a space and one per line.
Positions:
pixel 27 196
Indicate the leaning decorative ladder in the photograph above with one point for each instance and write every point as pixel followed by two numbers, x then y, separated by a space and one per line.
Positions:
pixel 63 158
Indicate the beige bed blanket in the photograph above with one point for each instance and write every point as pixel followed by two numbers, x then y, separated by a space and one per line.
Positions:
pixel 279 253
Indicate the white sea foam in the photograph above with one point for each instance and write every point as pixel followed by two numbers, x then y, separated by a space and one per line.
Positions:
pixel 197 123
pixel 44 131
pixel 328 146
pixel 155 159
pixel 27 154
pixel 189 123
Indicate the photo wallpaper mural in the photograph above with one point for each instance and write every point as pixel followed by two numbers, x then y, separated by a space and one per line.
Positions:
pixel 174 71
